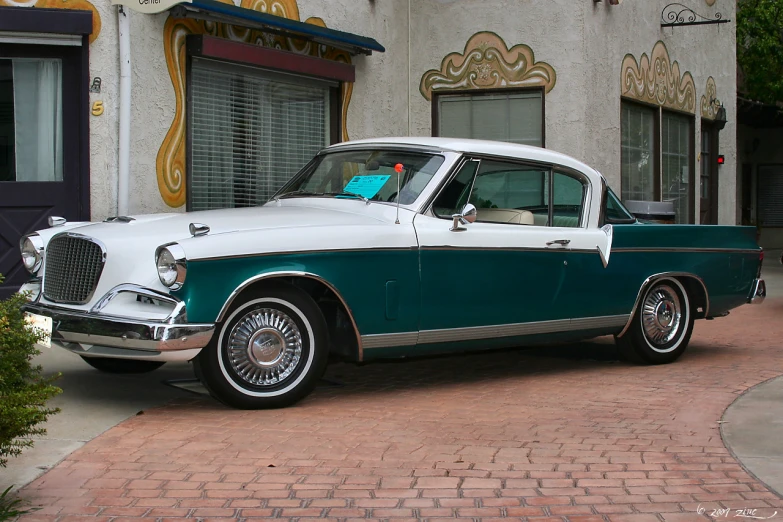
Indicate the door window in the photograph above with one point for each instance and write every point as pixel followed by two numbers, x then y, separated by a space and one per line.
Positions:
pixel 568 200
pixel 513 193
pixel 31 119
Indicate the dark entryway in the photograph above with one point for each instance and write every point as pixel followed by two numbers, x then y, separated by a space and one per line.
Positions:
pixel 44 135
pixel 709 174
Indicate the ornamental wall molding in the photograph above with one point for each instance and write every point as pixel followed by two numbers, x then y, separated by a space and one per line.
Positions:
pixel 657 80
pixel 171 160
pixel 709 109
pixel 488 63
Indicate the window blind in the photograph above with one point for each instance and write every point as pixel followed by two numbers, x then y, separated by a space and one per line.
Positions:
pixel 676 157
pixel 516 118
pixel 250 132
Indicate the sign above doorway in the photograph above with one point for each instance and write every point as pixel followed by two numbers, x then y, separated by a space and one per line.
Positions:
pixel 150 6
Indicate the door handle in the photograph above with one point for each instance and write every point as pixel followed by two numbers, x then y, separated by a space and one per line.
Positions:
pixel 561 242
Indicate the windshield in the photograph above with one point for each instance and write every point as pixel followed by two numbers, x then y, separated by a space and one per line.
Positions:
pixel 366 174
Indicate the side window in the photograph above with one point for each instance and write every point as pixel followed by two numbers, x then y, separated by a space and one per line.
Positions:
pixel 514 194
pixel 614 211
pixel 511 193
pixel 568 200
pixel 455 195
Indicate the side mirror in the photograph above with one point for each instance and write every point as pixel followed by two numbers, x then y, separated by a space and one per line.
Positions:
pixel 468 215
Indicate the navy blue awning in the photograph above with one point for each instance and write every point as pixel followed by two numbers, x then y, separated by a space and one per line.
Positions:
pixel 228 13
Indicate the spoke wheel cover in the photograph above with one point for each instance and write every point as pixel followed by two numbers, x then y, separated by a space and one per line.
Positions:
pixel 264 347
pixel 662 318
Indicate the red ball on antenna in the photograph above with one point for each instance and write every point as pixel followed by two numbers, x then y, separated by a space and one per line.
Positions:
pixel 398 167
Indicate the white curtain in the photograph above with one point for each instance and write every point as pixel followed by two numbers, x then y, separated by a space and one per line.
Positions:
pixel 38 114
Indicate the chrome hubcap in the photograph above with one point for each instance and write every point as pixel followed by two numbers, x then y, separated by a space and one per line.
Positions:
pixel 661 316
pixel 264 347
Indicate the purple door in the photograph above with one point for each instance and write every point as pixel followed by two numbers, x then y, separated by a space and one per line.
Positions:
pixel 42 138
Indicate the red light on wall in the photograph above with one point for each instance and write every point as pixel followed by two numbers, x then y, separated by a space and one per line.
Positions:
pixel 721 159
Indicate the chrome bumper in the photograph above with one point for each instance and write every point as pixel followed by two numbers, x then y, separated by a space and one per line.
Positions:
pixel 121 334
pixel 757 292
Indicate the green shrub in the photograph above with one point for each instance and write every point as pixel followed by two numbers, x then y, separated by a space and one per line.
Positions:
pixel 23 389
pixel 11 507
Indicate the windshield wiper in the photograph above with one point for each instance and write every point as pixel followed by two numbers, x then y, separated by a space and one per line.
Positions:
pixel 298 194
pixel 350 194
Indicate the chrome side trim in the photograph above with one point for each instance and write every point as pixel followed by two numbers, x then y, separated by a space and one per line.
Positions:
pixel 689 249
pixel 300 252
pixel 493 331
pixel 519 329
pixel 508 249
pixel 758 292
pixel 647 282
pixel 589 323
pixel 275 275
pixel 387 340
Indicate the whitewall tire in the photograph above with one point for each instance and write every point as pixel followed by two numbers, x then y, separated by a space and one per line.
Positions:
pixel 269 352
pixel 661 326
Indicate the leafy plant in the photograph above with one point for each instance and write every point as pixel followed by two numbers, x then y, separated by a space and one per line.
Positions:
pixel 10 507
pixel 23 388
pixel 760 49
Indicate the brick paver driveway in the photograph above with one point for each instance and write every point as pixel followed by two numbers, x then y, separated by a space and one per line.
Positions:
pixel 559 433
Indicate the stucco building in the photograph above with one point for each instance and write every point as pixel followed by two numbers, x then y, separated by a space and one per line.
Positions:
pixel 209 104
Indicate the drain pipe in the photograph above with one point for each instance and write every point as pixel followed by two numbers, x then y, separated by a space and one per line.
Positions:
pixel 123 24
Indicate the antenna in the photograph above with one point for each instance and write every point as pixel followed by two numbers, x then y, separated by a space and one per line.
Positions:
pixel 398 168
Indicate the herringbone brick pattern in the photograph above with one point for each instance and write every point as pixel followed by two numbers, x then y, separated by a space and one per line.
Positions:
pixel 556 433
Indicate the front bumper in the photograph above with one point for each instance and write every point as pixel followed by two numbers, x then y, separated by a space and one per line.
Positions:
pixel 758 292
pixel 100 335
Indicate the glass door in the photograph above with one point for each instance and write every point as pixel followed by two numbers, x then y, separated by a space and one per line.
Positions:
pixel 41 172
pixel 709 178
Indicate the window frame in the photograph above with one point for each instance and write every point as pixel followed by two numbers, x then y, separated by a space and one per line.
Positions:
pixel 658 112
pixel 552 168
pixel 262 60
pixel 435 112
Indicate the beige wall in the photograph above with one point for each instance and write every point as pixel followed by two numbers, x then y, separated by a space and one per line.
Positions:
pixel 584 42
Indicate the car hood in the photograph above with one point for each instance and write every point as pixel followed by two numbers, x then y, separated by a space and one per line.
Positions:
pixel 158 229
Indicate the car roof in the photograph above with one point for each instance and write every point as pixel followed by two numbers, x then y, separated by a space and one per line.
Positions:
pixel 494 148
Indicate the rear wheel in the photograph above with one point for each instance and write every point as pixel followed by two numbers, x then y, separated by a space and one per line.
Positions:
pixel 661 326
pixel 269 352
pixel 111 365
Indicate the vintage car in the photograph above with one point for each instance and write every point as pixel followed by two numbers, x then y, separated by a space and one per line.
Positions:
pixel 384 248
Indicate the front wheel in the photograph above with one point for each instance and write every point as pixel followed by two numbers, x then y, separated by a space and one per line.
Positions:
pixel 268 353
pixel 661 326
pixel 111 365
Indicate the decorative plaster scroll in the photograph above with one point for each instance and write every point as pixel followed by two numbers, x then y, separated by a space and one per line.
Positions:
pixel 709 109
pixel 170 163
pixel 657 80
pixel 487 63
pixel 83 5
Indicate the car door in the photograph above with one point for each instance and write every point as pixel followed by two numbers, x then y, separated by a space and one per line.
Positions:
pixel 503 275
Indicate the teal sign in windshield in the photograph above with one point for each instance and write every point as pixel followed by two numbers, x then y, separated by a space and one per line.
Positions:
pixel 367 186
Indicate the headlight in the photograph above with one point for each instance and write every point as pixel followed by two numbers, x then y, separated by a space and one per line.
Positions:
pixel 32 248
pixel 172 265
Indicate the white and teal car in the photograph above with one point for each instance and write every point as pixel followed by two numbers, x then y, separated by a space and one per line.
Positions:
pixel 384 248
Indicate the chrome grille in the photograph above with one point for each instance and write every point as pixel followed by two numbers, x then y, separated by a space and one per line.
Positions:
pixel 73 267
